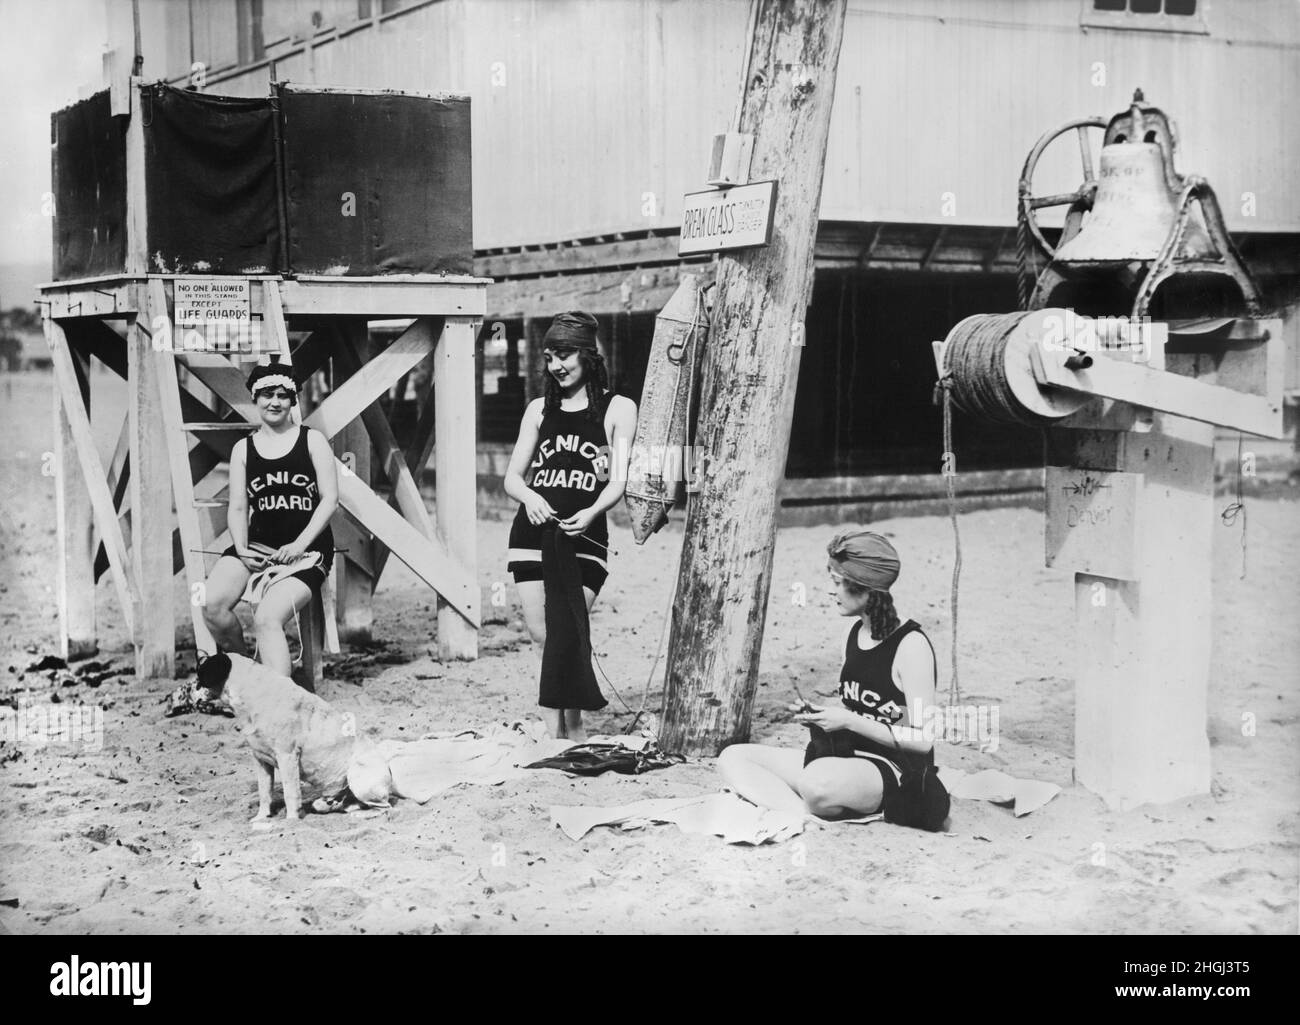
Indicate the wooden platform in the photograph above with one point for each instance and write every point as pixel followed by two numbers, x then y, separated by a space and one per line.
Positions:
pixel 188 406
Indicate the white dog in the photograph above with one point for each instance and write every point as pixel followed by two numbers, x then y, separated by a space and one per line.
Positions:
pixel 314 747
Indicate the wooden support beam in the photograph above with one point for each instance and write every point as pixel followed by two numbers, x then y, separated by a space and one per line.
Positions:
pixel 1161 390
pixel 1143 645
pixel 392 459
pixel 455 455
pixel 354 585
pixel 92 470
pixel 383 297
pixel 311 354
pixel 417 458
pixel 346 403
pixel 225 380
pixel 176 442
pixel 428 558
pixel 137 236
pixel 151 507
pixel 74 574
pixel 751 366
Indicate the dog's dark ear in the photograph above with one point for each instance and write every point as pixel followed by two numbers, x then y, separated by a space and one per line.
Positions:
pixel 213 672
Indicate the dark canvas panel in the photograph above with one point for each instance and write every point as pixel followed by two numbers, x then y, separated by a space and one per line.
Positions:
pixel 404 160
pixel 211 183
pixel 89 185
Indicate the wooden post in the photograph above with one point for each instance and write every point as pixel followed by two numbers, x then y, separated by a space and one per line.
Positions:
pixel 151 506
pixel 1143 642
pixel 355 586
pixel 750 370
pixel 75 575
pixel 455 458
pixel 137 234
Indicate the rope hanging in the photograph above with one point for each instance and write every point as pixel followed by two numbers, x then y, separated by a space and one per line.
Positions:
pixel 950 475
pixel 974 377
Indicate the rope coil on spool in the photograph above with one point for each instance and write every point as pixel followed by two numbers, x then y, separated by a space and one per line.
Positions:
pixel 987 368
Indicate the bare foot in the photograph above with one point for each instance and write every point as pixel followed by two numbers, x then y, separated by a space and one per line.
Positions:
pixel 553 718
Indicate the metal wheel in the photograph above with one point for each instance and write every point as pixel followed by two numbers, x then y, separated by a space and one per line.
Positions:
pixel 1079 201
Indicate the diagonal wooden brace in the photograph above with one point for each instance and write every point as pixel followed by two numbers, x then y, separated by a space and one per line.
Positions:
pixel 101 499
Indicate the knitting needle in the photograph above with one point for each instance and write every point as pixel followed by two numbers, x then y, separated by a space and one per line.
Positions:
pixel 592 540
pixel 204 551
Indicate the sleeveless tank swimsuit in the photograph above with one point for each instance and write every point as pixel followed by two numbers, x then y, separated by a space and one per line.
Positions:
pixel 570 468
pixel 282 495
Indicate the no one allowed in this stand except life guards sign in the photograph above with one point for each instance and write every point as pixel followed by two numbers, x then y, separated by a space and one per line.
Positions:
pixel 730 218
pixel 205 300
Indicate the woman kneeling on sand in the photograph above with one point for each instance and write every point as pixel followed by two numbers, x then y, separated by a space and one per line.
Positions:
pixel 860 751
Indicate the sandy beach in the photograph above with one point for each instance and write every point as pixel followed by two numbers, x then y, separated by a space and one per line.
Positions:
pixel 150 832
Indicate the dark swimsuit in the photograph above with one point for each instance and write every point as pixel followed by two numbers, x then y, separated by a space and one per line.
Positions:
pixel 867 687
pixel 570 468
pixel 282 495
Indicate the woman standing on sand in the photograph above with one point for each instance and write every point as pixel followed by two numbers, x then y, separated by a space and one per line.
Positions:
pixel 861 751
pixel 575 441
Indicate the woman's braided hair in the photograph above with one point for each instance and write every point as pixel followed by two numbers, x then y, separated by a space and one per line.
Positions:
pixel 880 610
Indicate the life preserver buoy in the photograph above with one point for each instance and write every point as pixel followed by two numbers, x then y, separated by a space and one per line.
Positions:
pixel 661 462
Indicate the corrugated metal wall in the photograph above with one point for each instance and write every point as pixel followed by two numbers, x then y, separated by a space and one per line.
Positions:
pixel 594 117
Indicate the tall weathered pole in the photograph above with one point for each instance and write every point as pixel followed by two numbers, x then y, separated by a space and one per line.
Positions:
pixel 751 366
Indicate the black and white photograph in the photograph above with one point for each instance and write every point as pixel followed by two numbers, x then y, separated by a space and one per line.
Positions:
pixel 651 467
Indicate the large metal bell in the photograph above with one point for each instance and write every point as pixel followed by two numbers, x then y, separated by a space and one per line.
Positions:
pixel 1133 213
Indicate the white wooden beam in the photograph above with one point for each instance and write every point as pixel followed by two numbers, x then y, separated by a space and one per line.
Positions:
pixel 1161 390
pixel 101 500
pixel 75 574
pixel 151 506
pixel 137 234
pixel 372 380
pixel 384 298
pixel 455 459
pixel 178 459
pixel 427 557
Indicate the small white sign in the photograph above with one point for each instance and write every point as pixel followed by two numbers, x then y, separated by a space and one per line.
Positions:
pixel 212 300
pixel 732 218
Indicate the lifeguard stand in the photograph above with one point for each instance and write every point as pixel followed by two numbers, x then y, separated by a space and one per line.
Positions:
pixel 1129 404
pixel 296 218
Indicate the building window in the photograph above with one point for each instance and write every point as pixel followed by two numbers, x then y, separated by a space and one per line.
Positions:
pixel 1149 15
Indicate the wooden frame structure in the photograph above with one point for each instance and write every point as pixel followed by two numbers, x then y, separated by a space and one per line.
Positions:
pixel 187 408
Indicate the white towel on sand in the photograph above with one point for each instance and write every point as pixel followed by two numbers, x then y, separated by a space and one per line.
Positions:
pixel 1025 795
pixel 423 768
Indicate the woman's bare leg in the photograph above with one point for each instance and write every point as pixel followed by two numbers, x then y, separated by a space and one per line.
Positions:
pixel 835 788
pixel 768 776
pixel 281 601
pixel 221 593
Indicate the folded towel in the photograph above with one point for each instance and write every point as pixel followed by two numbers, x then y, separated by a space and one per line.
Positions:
pixel 255 590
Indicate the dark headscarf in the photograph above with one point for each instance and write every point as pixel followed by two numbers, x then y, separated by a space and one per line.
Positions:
pixel 865 558
pixel 572 330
